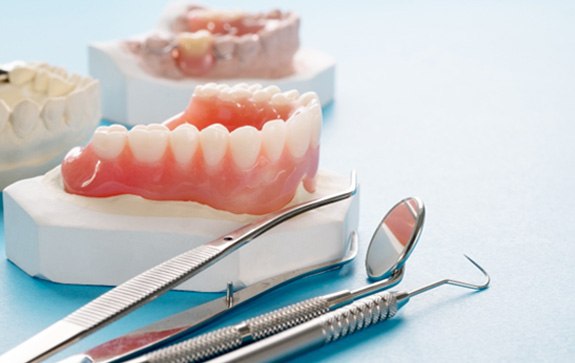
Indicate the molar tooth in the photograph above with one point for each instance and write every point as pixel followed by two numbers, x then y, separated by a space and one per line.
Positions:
pixel 279 99
pixel 245 144
pixel 307 97
pixel 53 113
pixel 272 90
pixel 78 108
pixel 195 44
pixel 299 133
pixel 255 87
pixel 21 74
pixel 149 143
pixel 184 143
pixel 206 90
pixel 4 114
pixel 315 118
pixel 248 46
pixel 41 81
pixel 58 86
pixel 222 86
pixel 214 140
pixel 25 118
pixel 292 95
pixel 239 94
pixel 241 85
pixel 274 138
pixel 109 141
pixel 224 47
pixel 260 96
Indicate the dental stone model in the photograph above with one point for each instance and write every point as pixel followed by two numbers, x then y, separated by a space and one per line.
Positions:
pixel 244 149
pixel 132 199
pixel 221 44
pixel 44 111
pixel 149 77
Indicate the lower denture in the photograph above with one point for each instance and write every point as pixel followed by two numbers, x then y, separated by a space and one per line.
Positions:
pixel 232 163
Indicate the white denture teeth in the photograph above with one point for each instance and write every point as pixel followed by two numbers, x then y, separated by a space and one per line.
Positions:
pixel 206 90
pixel 148 143
pixel 21 74
pixel 255 87
pixel 195 44
pixel 108 141
pixel 279 99
pixel 58 86
pixel 291 95
pixel 307 98
pixel 274 137
pixel 260 96
pixel 272 90
pixel 298 133
pixel 184 143
pixel 245 144
pixel 53 113
pixel 214 140
pixel 315 117
pixel 25 117
pixel 41 81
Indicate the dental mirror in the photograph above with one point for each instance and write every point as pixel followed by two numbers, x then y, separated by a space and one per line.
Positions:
pixel 394 239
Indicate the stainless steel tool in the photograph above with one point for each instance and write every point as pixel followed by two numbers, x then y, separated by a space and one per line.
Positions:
pixel 154 282
pixel 392 242
pixel 335 325
pixel 180 324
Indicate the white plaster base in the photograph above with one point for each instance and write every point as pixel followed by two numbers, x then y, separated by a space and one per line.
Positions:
pixel 67 238
pixel 132 96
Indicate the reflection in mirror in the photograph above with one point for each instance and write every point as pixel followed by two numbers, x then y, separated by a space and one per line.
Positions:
pixel 395 238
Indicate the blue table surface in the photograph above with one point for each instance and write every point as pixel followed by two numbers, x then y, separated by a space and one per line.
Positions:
pixel 466 104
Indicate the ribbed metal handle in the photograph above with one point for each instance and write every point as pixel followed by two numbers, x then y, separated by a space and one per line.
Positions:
pixel 359 315
pixel 142 288
pixel 226 339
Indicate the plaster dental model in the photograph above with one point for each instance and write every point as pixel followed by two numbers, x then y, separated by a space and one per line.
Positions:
pixel 132 199
pixel 44 111
pixel 149 77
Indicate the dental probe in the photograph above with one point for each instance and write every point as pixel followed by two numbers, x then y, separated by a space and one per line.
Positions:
pixel 335 325
pixel 405 216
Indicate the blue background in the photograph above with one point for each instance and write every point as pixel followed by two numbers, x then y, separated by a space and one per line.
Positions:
pixel 466 104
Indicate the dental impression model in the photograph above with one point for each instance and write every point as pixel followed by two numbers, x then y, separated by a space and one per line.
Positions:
pixel 44 111
pixel 149 78
pixel 241 149
pixel 221 44
pixel 132 199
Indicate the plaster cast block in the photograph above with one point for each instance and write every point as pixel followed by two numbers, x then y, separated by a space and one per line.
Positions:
pixel 72 239
pixel 132 96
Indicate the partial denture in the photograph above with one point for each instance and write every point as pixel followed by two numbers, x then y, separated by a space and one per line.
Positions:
pixel 244 149
pixel 44 111
pixel 221 44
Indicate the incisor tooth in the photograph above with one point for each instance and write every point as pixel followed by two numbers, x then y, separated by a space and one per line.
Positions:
pixel 315 118
pixel 4 114
pixel 298 134
pixel 184 143
pixel 53 113
pixel 25 118
pixel 245 144
pixel 274 138
pixel 21 74
pixel 41 81
pixel 214 140
pixel 148 144
pixel 109 142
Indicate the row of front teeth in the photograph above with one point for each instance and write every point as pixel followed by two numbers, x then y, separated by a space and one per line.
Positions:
pixel 53 81
pixel 255 93
pixel 150 143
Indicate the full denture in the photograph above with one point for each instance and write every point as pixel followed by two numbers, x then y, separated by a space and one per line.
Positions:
pixel 243 149
pixel 221 44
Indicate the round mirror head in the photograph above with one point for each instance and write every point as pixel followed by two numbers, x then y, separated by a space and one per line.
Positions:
pixel 394 238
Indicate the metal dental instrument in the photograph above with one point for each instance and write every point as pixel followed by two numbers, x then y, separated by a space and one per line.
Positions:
pixel 390 246
pixel 335 325
pixel 154 282
pixel 183 323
